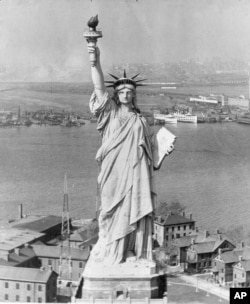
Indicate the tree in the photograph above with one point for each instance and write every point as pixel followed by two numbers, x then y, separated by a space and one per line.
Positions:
pixel 174 206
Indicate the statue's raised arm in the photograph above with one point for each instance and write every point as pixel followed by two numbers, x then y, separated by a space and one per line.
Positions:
pixel 96 72
pixel 91 35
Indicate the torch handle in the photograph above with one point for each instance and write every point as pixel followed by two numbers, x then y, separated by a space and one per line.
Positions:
pixel 92 56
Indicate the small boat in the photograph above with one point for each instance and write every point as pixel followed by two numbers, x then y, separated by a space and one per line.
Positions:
pixel 167 118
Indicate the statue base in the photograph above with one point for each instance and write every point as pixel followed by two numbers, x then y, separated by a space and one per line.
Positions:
pixel 132 279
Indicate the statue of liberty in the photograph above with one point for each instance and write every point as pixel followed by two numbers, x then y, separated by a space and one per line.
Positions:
pixel 126 159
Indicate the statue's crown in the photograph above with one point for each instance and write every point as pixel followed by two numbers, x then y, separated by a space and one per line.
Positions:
pixel 125 80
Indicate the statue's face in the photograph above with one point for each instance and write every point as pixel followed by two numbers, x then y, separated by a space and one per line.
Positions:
pixel 126 95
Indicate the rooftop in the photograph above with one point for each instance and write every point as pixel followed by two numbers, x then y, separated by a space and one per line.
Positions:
pixel 245 265
pixel 55 252
pixel 39 224
pixel 24 274
pixel 231 256
pixel 173 219
pixel 12 238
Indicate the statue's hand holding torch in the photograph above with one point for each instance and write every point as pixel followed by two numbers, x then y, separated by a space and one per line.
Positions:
pixel 91 36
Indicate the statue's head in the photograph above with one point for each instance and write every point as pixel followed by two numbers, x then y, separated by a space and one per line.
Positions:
pixel 125 86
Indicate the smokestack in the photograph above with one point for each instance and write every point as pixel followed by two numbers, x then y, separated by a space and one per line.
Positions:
pixel 206 234
pixel 20 211
pixel 191 216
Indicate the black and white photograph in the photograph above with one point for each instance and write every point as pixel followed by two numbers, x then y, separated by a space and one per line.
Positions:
pixel 125 151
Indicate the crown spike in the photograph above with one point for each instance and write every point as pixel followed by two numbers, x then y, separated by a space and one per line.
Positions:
pixel 114 76
pixel 124 74
pixel 135 76
pixel 140 80
pixel 141 85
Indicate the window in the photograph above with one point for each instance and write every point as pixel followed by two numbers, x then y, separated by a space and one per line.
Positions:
pixel 17 286
pixel 17 298
pixel 39 300
pixel 179 228
pixel 80 265
pixel 166 229
pixel 6 285
pixel 49 262
pixel 28 299
pixel 166 237
pixel 6 297
pixel 184 234
pixel 39 287
pixel 178 236
pixel 243 274
pixel 172 228
pixel 190 227
pixel 28 286
pixel 184 227
pixel 172 237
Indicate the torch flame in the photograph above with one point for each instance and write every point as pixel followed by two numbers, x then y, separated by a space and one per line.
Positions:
pixel 93 22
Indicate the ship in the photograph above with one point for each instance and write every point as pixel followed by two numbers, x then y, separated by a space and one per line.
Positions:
pixel 185 117
pixel 167 118
pixel 245 119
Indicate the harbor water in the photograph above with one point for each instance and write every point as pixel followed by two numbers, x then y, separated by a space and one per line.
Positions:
pixel 208 173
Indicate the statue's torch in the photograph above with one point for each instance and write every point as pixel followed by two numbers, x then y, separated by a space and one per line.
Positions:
pixel 92 35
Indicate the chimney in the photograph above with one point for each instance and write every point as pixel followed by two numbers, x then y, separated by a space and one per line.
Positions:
pixel 17 251
pixel 217 231
pixel 220 237
pixel 50 268
pixel 191 216
pixel 242 244
pixel 20 211
pixel 193 241
pixel 196 229
pixel 206 234
pixel 183 214
pixel 240 257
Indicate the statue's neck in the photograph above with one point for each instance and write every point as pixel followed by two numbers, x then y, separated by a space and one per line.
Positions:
pixel 126 108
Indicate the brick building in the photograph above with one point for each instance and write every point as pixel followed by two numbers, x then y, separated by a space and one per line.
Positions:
pixel 204 248
pixel 18 284
pixel 241 269
pixel 223 265
pixel 172 226
pixel 49 257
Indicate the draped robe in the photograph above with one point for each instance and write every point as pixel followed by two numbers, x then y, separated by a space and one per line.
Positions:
pixel 126 184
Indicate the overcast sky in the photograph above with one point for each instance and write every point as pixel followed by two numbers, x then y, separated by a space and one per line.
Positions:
pixel 47 35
